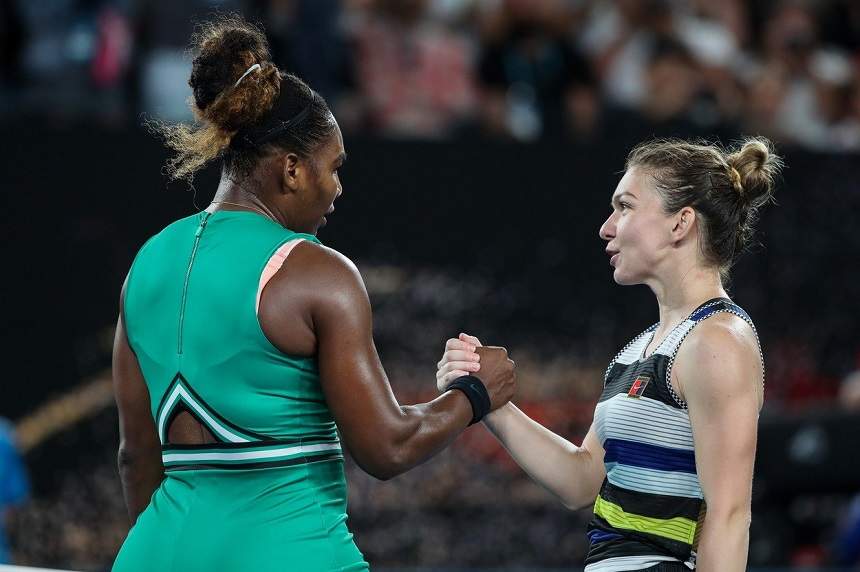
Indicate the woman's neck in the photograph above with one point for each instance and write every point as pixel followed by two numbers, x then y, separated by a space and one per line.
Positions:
pixel 231 195
pixel 682 292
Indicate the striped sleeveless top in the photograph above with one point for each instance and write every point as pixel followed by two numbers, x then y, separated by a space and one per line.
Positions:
pixel 650 508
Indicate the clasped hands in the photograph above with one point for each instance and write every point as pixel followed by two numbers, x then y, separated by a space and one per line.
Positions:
pixel 465 355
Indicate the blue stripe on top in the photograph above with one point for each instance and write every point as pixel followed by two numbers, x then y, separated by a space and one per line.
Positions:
pixel 708 309
pixel 597 535
pixel 649 456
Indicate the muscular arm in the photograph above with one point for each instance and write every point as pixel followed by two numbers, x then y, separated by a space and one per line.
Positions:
pixel 718 370
pixel 139 456
pixel 384 437
pixel 573 474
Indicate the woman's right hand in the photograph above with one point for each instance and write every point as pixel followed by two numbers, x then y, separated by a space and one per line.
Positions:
pixel 460 358
pixel 465 355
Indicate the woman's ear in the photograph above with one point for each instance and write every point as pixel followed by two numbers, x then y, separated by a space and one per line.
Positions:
pixel 290 172
pixel 684 221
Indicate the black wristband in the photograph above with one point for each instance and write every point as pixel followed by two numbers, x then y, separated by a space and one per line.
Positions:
pixel 476 393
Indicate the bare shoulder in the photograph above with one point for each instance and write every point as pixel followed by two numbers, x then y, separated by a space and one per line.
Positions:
pixel 318 281
pixel 322 261
pixel 720 358
pixel 723 335
pixel 317 289
pixel 313 271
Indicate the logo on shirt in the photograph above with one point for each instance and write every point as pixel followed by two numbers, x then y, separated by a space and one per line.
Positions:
pixel 638 387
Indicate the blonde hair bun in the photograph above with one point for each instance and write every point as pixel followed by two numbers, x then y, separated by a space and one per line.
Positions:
pixel 757 166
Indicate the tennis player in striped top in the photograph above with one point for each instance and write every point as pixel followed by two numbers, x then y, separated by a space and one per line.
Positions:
pixel 668 460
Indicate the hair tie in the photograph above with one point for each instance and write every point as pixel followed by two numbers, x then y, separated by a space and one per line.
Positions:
pixel 280 129
pixel 736 180
pixel 253 68
pixel 249 139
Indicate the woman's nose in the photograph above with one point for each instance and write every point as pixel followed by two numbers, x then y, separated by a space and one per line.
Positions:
pixel 607 230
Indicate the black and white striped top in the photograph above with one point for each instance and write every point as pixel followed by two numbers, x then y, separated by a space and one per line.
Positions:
pixel 650 508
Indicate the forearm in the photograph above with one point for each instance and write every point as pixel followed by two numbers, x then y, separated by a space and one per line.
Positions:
pixel 724 542
pixel 141 474
pixel 569 472
pixel 422 431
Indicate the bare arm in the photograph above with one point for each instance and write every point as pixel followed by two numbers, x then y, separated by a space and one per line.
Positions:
pixel 719 372
pixel 572 473
pixel 139 456
pixel 384 437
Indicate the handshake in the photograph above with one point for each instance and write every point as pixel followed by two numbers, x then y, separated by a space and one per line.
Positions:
pixel 465 355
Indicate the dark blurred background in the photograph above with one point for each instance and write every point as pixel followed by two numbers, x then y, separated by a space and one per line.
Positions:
pixel 485 138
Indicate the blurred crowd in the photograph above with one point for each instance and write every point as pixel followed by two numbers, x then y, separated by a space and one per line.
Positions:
pixel 518 69
pixel 471 506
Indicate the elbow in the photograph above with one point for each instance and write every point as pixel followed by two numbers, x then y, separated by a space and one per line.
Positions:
pixel 384 463
pixel 392 451
pixel 125 458
pixel 379 471
pixel 729 516
pixel 127 462
pixel 577 496
pixel 130 459
pixel 576 500
pixel 571 506
pixel 575 504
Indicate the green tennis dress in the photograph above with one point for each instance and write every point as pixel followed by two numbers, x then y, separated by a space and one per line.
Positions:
pixel 270 494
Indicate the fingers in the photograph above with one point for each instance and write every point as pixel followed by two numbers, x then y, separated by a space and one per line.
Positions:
pixel 469 339
pixel 458 355
pixel 467 366
pixel 460 358
pixel 457 344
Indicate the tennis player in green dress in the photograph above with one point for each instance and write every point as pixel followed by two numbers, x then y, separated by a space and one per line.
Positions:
pixel 244 349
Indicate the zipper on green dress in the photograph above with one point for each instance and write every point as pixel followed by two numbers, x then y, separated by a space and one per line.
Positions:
pixel 197 235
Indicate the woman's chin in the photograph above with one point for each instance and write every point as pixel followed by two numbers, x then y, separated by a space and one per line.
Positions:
pixel 622 279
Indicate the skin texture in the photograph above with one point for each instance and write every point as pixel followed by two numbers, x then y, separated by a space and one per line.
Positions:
pixel 139 457
pixel 316 304
pixel 717 371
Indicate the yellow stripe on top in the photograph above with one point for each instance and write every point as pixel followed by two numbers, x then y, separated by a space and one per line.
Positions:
pixel 678 528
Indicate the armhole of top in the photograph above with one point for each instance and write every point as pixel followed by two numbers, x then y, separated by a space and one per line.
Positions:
pixel 276 261
pixel 729 310
pixel 125 293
